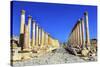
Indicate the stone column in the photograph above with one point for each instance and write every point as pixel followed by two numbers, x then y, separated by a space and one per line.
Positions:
pixel 26 46
pixel 83 39
pixel 42 38
pixel 52 40
pixel 37 35
pixel 78 37
pixel 76 34
pixel 80 33
pixel 21 38
pixel 46 38
pixel 54 44
pixel 29 31
pixel 70 39
pixel 33 33
pixel 87 30
pixel 22 22
pixel 49 40
pixel 73 37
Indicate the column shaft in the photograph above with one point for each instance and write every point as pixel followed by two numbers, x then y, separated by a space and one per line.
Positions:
pixel 80 33
pixel 78 37
pixel 46 39
pixel 22 22
pixel 74 37
pixel 87 30
pixel 33 34
pixel 21 38
pixel 36 35
pixel 26 46
pixel 83 39
pixel 39 36
pixel 29 31
pixel 42 41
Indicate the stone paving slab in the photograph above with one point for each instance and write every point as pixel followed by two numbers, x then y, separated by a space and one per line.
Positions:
pixel 60 56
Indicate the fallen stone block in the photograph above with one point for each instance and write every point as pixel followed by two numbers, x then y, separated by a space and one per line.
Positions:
pixel 84 52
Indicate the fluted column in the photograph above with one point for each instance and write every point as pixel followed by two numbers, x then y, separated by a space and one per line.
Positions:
pixel 33 33
pixel 21 38
pixel 87 30
pixel 29 31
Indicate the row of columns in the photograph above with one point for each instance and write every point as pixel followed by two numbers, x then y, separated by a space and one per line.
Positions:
pixel 40 38
pixel 77 36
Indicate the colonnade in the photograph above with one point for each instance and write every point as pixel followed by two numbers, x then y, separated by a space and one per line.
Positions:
pixel 39 38
pixel 79 35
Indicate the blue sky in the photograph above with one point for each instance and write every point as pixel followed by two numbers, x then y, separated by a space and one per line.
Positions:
pixel 56 19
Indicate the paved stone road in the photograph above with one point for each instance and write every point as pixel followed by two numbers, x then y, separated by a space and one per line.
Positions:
pixel 60 56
